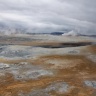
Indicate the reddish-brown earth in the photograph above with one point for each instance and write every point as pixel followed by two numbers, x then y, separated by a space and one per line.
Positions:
pixel 73 69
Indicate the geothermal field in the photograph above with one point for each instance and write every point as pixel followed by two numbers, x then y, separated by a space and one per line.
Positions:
pixel 47 65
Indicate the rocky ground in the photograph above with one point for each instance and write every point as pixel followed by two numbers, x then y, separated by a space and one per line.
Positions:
pixel 46 65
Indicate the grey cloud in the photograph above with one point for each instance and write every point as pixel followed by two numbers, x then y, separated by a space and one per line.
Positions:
pixel 50 15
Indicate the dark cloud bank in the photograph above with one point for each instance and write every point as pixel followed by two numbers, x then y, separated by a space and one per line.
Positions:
pixel 48 16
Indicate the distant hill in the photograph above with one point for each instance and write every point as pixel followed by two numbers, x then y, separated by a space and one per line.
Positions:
pixel 57 33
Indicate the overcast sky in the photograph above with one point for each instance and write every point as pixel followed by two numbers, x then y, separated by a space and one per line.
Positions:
pixel 51 15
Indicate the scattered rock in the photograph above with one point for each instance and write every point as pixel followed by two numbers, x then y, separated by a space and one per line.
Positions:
pixel 25 71
pixel 92 57
pixel 3 66
pixel 90 83
pixel 73 52
pixel 59 87
pixel 29 74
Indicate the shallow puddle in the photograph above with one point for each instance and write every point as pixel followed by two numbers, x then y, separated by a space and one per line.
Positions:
pixel 64 45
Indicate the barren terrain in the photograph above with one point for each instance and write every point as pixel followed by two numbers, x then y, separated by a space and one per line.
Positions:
pixel 46 65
